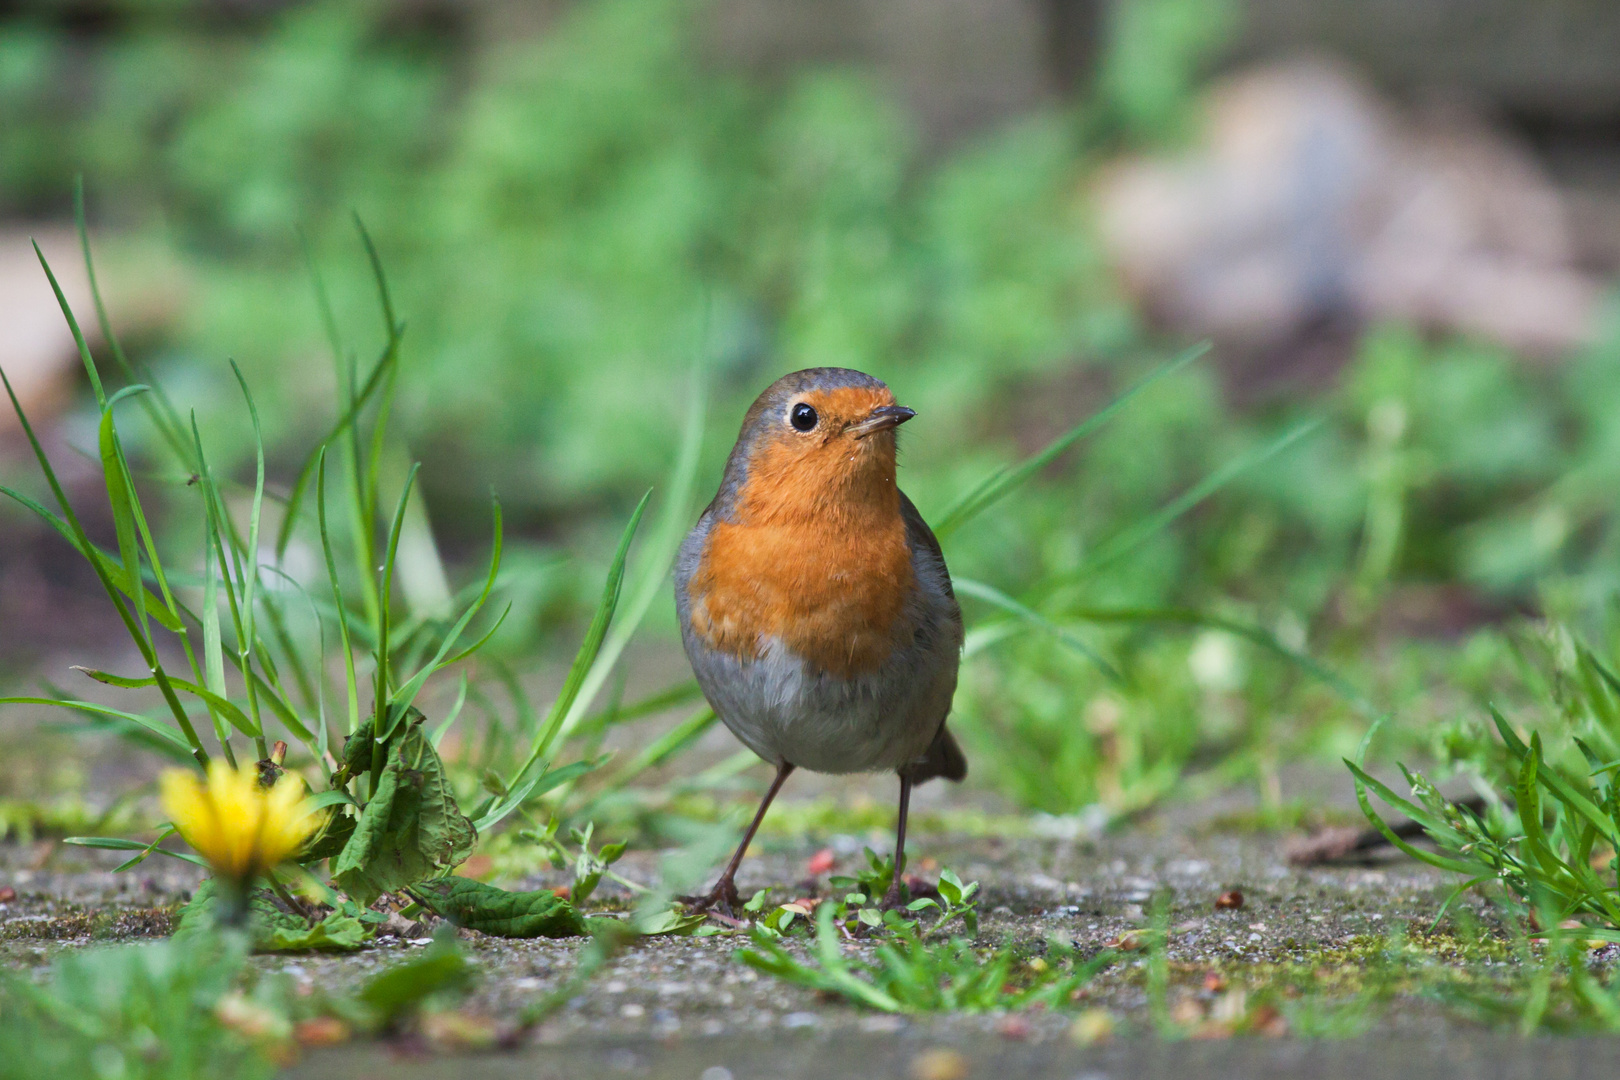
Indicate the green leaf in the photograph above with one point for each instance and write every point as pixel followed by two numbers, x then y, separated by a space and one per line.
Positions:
pixel 275 930
pixel 335 933
pixel 330 841
pixel 230 711
pixel 667 921
pixel 358 748
pixel 494 911
pixel 411 830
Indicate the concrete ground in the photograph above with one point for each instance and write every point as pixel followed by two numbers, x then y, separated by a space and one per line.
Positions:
pixel 1298 958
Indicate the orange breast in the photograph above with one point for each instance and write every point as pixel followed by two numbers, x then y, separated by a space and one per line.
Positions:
pixel 822 566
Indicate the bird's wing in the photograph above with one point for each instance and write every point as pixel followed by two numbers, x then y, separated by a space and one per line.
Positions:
pixel 943 757
pixel 922 539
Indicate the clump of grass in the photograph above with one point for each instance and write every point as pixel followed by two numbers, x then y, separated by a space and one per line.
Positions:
pixel 256 645
pixel 907 974
pixel 197 1008
pixel 1551 829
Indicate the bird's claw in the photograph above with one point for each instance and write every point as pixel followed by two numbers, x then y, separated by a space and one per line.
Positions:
pixel 723 899
pixel 898 895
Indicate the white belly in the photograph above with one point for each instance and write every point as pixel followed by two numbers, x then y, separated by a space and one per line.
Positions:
pixel 824 723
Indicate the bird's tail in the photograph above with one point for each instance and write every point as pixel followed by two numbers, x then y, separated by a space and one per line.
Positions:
pixel 943 758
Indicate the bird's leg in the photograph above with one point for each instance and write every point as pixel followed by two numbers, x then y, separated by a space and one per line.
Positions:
pixel 891 899
pixel 724 894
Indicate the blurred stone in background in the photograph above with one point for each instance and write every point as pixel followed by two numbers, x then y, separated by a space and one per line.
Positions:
pixel 144 286
pixel 1308 200
pixel 36 349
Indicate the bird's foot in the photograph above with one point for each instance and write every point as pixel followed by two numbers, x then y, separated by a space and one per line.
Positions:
pixel 723 900
pixel 896 898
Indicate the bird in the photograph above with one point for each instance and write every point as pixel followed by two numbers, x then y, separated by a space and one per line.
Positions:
pixel 814 601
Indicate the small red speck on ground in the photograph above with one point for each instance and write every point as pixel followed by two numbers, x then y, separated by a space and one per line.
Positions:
pixel 1230 900
pixel 821 862
pixel 1013 1027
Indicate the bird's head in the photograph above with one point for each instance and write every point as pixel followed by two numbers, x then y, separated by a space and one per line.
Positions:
pixel 816 439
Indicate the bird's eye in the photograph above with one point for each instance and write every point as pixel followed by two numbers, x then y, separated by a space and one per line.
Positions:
pixel 803 417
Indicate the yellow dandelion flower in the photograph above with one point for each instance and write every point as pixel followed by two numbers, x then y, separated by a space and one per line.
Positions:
pixel 238 826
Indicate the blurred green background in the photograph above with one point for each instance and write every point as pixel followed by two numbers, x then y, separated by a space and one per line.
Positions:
pixel 579 204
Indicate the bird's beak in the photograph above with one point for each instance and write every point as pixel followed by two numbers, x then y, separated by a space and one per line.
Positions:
pixel 882 418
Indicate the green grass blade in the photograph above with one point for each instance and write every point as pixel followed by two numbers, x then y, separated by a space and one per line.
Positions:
pixel 1267 641
pixel 1555 782
pixel 162 413
pixel 1411 810
pixel 1510 738
pixel 391 325
pixel 350 415
pixel 107 585
pixel 669 744
pixel 113 843
pixel 657 555
pixel 992 595
pixel 385 720
pixel 351 685
pixel 381 378
pixel 224 706
pixel 1128 541
pixel 213 646
pixel 588 649
pixel 536 787
pixel 250 586
pixel 450 717
pixel 407 693
pixel 108 564
pixel 680 694
pixel 218 567
pixel 121 496
pixel 163 731
pixel 248 569
pixel 323 305
pixel 73 325
pixel 999 485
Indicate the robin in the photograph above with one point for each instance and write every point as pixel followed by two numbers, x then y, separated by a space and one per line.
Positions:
pixel 814 601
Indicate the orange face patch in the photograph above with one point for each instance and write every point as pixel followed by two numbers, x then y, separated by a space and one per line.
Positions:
pixel 816 555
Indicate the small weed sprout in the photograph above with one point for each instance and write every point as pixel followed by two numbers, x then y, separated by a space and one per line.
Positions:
pixel 1553 852
pixel 906 974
